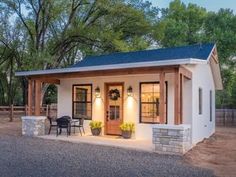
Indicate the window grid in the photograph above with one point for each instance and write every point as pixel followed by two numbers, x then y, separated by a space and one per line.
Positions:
pixel 152 115
pixel 82 101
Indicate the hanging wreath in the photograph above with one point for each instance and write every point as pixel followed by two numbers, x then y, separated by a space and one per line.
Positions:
pixel 114 94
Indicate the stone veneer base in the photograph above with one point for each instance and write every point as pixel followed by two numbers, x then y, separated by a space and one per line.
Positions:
pixel 33 125
pixel 172 139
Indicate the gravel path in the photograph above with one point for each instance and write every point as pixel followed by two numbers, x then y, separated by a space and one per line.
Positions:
pixel 25 156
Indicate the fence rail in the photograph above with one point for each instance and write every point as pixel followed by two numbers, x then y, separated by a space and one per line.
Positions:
pixel 13 110
pixel 226 117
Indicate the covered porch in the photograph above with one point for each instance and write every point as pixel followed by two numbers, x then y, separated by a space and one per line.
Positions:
pixel 179 74
pixel 164 132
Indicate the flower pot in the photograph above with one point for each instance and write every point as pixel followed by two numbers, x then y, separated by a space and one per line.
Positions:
pixel 96 131
pixel 126 134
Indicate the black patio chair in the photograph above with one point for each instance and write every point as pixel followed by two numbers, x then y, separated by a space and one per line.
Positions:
pixel 79 124
pixel 52 123
pixel 63 123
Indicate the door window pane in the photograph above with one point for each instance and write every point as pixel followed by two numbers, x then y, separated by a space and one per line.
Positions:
pixel 114 112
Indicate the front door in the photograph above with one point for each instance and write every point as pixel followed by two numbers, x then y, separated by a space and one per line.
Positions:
pixel 113 108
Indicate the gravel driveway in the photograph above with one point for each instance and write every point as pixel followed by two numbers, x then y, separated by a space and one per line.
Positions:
pixel 25 156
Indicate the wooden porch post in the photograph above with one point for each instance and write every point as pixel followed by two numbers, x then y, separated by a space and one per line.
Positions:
pixel 37 100
pixel 180 74
pixel 162 98
pixel 29 112
pixel 177 97
pixel 181 97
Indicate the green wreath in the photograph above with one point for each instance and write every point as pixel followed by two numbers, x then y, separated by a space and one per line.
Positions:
pixel 114 94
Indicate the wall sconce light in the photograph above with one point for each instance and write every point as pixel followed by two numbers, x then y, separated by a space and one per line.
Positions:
pixel 129 91
pixel 97 92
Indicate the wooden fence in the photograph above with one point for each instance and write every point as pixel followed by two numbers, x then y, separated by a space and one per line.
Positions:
pixel 17 111
pixel 226 117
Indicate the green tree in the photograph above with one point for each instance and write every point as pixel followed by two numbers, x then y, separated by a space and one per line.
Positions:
pixel 182 24
pixel 220 27
pixel 52 34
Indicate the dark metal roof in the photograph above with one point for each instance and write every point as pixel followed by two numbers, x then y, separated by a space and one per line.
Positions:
pixel 198 51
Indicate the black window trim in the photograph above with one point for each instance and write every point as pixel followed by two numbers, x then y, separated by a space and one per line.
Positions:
pixel 211 102
pixel 140 105
pixel 200 101
pixel 74 85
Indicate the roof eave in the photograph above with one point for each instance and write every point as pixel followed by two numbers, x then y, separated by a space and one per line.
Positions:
pixel 217 73
pixel 114 66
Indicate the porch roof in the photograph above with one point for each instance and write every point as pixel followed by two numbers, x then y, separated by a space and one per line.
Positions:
pixel 193 54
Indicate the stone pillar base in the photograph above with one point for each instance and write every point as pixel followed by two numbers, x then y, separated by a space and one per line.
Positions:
pixel 172 139
pixel 33 125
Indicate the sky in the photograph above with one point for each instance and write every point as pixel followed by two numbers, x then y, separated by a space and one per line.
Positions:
pixel 210 5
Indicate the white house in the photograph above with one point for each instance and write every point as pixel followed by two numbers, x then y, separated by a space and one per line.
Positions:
pixel 168 93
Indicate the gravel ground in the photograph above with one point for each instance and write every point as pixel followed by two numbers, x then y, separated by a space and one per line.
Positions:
pixel 25 156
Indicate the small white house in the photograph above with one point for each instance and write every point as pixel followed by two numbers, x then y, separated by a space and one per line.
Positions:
pixel 168 93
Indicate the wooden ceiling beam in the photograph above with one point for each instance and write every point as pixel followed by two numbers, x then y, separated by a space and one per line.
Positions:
pixel 185 72
pixel 50 81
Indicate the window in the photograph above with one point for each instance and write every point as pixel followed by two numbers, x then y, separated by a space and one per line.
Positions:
pixel 210 105
pixel 149 102
pixel 200 100
pixel 82 101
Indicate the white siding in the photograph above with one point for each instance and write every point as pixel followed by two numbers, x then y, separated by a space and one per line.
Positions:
pixel 131 104
pixel 201 125
pixel 201 77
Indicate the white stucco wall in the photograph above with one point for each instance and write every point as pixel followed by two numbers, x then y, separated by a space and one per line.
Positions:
pixel 131 104
pixel 201 77
pixel 201 125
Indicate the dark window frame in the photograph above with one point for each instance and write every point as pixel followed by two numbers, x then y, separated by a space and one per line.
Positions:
pixel 211 102
pixel 200 101
pixel 140 102
pixel 91 102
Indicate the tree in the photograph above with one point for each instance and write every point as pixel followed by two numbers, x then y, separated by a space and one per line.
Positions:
pixel 180 25
pixel 52 34
pixel 220 27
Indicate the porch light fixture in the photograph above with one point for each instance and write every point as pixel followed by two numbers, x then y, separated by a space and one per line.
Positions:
pixel 129 91
pixel 97 92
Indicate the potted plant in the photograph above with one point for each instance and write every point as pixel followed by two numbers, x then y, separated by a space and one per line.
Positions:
pixel 96 127
pixel 127 129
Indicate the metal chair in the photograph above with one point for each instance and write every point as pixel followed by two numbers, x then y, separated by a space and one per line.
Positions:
pixel 52 124
pixel 63 123
pixel 79 124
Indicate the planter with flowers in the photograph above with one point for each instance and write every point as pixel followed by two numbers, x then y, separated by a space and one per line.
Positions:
pixel 96 127
pixel 127 129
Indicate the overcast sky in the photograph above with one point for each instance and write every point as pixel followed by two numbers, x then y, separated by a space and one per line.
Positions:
pixel 210 5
